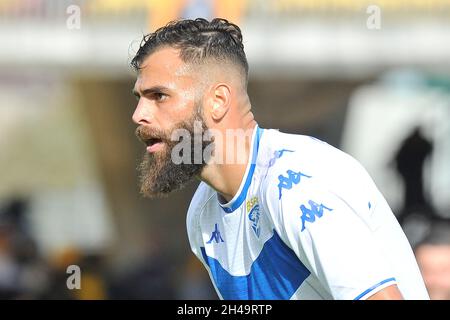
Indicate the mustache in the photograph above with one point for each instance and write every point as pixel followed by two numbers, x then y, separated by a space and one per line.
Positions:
pixel 145 133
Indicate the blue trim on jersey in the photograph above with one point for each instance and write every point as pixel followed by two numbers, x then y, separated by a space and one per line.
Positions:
pixel 373 288
pixel 240 199
pixel 276 274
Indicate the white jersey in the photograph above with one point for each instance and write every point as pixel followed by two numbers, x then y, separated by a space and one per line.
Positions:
pixel 306 223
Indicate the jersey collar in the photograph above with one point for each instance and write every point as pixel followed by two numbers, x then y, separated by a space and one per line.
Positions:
pixel 240 196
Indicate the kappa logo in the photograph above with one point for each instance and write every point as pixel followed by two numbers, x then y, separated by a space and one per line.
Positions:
pixel 309 215
pixel 276 155
pixel 254 214
pixel 287 182
pixel 215 236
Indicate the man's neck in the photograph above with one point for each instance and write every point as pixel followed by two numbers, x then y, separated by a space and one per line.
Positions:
pixel 226 178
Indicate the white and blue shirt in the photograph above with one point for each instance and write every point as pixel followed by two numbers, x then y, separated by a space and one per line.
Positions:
pixel 307 222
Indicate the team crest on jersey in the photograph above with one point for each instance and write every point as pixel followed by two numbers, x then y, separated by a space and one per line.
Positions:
pixel 254 215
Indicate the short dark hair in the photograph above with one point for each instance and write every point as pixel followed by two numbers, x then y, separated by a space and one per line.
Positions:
pixel 197 40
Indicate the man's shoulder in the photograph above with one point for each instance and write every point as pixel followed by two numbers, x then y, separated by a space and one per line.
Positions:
pixel 285 152
pixel 299 162
pixel 286 149
pixel 201 196
pixel 293 147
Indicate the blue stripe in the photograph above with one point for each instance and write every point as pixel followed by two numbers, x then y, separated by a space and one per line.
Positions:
pixel 276 274
pixel 240 199
pixel 373 288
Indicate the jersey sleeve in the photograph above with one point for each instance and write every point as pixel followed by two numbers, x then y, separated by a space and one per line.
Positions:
pixel 330 235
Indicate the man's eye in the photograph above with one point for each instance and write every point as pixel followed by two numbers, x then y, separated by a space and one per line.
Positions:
pixel 159 96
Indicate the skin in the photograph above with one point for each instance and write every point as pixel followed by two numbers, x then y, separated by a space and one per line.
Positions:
pixel 434 262
pixel 166 89
pixel 388 293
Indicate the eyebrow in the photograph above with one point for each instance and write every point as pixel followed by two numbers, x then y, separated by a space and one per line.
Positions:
pixel 151 90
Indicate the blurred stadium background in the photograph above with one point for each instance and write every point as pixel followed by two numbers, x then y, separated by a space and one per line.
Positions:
pixel 373 81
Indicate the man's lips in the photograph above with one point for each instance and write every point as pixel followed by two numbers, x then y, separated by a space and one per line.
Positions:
pixel 153 144
pixel 152 138
pixel 155 147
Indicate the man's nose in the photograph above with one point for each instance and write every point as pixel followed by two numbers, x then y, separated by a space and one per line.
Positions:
pixel 142 115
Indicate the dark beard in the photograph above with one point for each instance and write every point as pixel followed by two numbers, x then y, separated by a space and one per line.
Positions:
pixel 158 174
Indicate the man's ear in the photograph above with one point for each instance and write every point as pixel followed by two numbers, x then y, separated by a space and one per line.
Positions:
pixel 219 101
